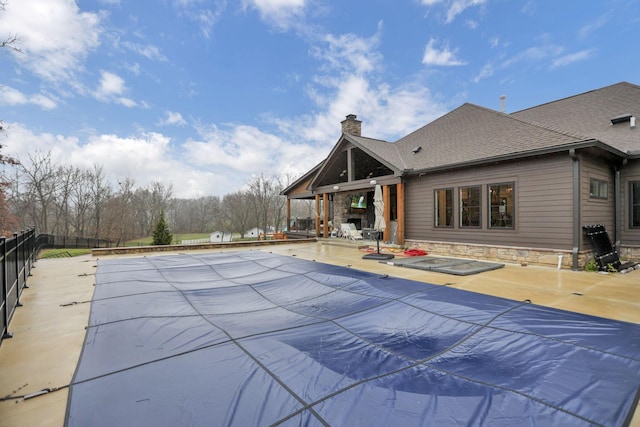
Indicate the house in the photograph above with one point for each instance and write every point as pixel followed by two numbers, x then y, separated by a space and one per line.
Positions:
pixel 485 184
pixel 220 236
pixel 254 232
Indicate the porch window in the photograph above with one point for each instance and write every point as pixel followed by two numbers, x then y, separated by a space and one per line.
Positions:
pixel 470 206
pixel 634 197
pixel 598 189
pixel 501 207
pixel 444 207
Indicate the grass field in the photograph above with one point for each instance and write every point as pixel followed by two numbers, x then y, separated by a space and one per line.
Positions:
pixel 63 253
pixel 143 241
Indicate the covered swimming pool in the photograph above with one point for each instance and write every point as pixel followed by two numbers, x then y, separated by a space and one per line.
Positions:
pixel 254 339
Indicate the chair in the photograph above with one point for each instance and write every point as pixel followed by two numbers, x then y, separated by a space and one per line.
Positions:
pixel 349 231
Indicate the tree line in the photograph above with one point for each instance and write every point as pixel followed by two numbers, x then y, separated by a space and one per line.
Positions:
pixel 72 201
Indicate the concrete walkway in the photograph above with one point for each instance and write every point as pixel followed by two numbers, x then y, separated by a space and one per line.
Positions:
pixel 49 329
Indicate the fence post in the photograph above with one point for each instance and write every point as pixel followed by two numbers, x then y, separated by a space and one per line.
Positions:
pixel 16 239
pixel 5 291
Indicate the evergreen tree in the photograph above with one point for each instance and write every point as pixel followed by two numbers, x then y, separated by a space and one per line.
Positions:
pixel 161 232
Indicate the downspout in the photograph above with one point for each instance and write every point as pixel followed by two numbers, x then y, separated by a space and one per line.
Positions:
pixel 617 184
pixel 577 230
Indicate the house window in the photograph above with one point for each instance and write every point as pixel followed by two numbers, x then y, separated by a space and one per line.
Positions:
pixel 634 190
pixel 444 208
pixel 598 189
pixel 501 212
pixel 470 206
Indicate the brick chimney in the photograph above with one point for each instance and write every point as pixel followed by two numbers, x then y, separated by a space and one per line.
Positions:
pixel 351 126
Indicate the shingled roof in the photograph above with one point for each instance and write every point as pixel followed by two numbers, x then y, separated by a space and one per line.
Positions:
pixel 471 134
pixel 590 114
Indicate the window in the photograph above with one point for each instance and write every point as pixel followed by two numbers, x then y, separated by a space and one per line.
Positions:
pixel 598 189
pixel 501 212
pixel 470 206
pixel 634 198
pixel 444 208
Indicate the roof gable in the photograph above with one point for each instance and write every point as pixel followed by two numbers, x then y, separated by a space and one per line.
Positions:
pixel 373 161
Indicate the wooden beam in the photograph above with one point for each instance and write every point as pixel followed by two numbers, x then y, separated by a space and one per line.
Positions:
pixel 317 215
pixel 386 199
pixel 400 206
pixel 325 206
pixel 288 226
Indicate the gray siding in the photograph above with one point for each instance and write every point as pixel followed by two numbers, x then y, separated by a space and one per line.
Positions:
pixel 630 172
pixel 543 204
pixel 597 211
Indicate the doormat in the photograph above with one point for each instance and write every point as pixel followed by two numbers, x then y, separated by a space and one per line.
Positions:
pixel 457 266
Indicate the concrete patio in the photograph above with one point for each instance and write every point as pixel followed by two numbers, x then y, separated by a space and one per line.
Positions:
pixel 50 328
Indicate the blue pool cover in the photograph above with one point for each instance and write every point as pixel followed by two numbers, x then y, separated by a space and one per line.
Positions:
pixel 256 339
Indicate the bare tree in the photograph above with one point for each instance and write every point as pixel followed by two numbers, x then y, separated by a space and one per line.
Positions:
pixel 41 188
pixel 81 202
pixel 12 40
pixel 237 212
pixel 262 189
pixel 100 192
pixel 9 222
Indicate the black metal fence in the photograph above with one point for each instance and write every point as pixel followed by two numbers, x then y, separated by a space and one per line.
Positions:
pixel 53 241
pixel 17 257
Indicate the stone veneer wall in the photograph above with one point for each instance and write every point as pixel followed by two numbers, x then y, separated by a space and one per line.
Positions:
pixel 508 254
pixel 341 208
pixel 630 253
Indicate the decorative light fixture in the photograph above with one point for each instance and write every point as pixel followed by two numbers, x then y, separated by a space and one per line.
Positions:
pixel 335 187
pixel 372 182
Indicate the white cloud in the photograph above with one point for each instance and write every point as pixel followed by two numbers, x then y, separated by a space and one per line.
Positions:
pixel 173 118
pixel 348 52
pixel 440 57
pixel 240 150
pixel 148 51
pixel 565 60
pixel 10 96
pixel 535 54
pixel 110 88
pixel 110 84
pixel 593 27
pixel 282 14
pixel 43 102
pixel 127 102
pixel 145 158
pixel 54 35
pixel 205 17
pixel 486 72
pixel 454 7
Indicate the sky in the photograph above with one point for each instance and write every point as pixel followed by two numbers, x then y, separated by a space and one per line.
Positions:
pixel 204 94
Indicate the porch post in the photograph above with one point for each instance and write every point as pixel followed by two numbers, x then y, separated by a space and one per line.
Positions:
pixel 317 215
pixel 386 199
pixel 288 227
pixel 400 206
pixel 325 208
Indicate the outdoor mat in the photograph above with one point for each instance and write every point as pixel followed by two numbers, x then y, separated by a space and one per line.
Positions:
pixel 457 266
pixel 257 339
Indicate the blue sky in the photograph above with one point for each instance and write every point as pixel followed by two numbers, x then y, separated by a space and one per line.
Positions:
pixel 203 94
